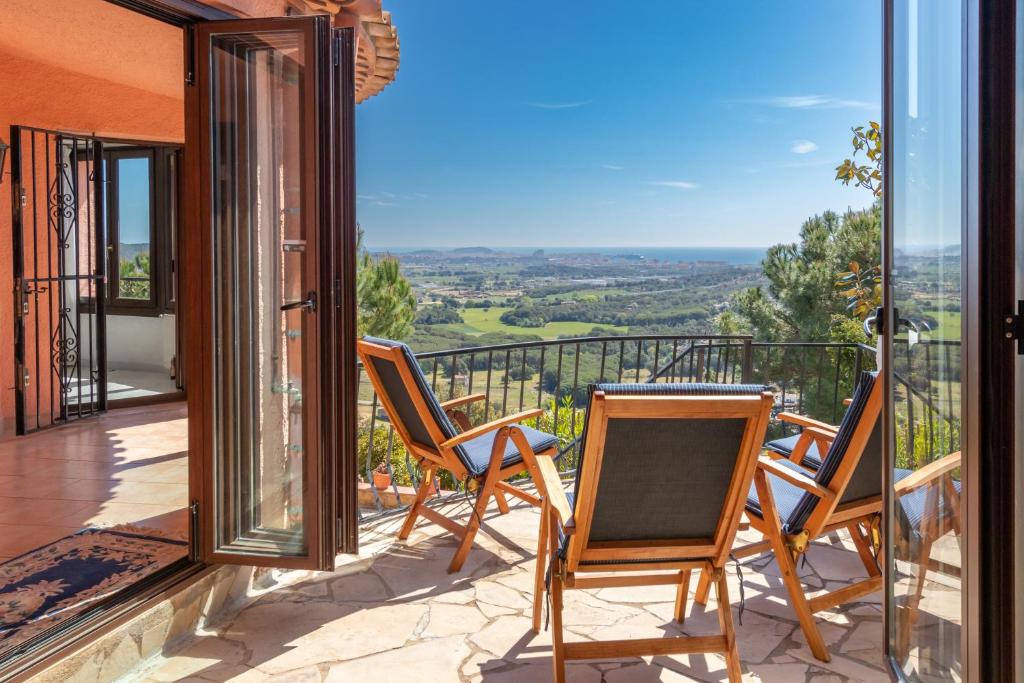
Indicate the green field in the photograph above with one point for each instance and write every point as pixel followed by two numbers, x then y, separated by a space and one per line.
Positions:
pixel 949 323
pixel 483 320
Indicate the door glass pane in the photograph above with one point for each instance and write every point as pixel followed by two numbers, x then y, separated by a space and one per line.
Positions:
pixel 134 228
pixel 925 587
pixel 262 264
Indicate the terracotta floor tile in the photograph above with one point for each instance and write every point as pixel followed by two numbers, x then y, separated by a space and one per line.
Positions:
pixel 41 511
pixel 128 513
pixel 128 466
pixel 119 491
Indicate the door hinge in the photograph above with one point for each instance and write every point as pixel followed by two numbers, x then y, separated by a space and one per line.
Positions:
pixel 1013 327
pixel 337 48
pixel 20 298
pixel 337 293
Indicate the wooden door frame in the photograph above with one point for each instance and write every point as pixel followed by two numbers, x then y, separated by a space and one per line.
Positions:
pixel 331 120
pixel 340 341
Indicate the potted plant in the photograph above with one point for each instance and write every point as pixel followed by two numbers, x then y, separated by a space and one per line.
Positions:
pixel 381 476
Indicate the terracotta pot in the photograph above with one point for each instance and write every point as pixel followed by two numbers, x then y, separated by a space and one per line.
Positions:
pixel 381 480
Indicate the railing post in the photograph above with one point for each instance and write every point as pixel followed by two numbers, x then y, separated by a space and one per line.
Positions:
pixel 748 362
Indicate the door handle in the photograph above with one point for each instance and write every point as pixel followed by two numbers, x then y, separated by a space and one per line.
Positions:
pixel 309 304
pixel 874 323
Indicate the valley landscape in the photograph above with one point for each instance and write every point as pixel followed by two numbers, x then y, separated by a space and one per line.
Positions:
pixel 476 296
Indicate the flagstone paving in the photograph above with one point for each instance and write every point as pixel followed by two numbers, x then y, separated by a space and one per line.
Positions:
pixel 394 614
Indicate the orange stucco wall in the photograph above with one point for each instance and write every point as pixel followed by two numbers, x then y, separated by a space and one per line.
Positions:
pixel 89 67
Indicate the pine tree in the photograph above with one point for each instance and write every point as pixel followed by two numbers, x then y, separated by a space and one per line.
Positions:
pixel 386 303
pixel 801 301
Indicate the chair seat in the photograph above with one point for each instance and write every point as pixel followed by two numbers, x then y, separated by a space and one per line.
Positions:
pixel 784 447
pixel 787 496
pixel 913 505
pixel 476 453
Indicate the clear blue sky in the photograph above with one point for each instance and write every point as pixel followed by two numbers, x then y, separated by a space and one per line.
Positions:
pixel 599 123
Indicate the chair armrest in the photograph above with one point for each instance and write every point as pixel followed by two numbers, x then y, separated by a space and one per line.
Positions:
pixel 551 489
pixel 817 434
pixel 492 426
pixel 928 473
pixel 795 478
pixel 804 421
pixel 809 435
pixel 461 401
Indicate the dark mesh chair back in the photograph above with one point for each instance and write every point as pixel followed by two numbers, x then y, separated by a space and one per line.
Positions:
pixel 665 478
pixel 400 399
pixel 866 480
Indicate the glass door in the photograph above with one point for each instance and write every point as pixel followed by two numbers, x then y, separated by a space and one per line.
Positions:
pixel 261 110
pixel 923 362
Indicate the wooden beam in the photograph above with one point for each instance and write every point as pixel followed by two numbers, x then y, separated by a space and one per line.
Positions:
pixel 640 647
pixel 845 594
pixel 439 519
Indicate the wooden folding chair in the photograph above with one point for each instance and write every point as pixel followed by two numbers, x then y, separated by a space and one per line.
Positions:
pixel 791 507
pixel 661 485
pixel 483 456
pixel 927 508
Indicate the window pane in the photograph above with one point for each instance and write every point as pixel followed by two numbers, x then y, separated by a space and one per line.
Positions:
pixel 927 192
pixel 261 263
pixel 134 229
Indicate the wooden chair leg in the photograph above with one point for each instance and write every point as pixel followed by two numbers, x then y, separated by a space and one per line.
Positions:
pixel 797 598
pixel 867 557
pixel 542 554
pixel 732 654
pixel 486 491
pixel 557 646
pixel 703 588
pixel 788 570
pixel 682 591
pixel 499 498
pixel 914 599
pixel 414 510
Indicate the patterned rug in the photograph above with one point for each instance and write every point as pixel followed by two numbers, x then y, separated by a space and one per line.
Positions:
pixel 52 584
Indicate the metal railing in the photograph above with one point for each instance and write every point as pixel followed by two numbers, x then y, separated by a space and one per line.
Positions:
pixel 810 378
pixel 553 375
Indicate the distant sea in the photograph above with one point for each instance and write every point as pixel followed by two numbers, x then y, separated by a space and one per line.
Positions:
pixel 736 256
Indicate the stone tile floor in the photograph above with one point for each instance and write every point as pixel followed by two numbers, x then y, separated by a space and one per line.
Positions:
pixel 394 614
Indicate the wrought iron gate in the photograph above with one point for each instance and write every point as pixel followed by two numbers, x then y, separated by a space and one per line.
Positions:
pixel 59 248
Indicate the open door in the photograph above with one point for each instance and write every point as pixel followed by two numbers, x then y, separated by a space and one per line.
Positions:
pixel 261 281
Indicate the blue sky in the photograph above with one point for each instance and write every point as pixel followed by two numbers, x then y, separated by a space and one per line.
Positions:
pixel 597 123
pixel 133 198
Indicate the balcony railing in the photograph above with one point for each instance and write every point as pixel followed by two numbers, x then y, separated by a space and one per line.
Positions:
pixel 809 378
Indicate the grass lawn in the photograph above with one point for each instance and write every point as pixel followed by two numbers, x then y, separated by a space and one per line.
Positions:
pixel 483 320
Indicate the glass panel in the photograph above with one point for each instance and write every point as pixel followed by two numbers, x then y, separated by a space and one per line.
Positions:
pixel 261 266
pixel 928 62
pixel 134 228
